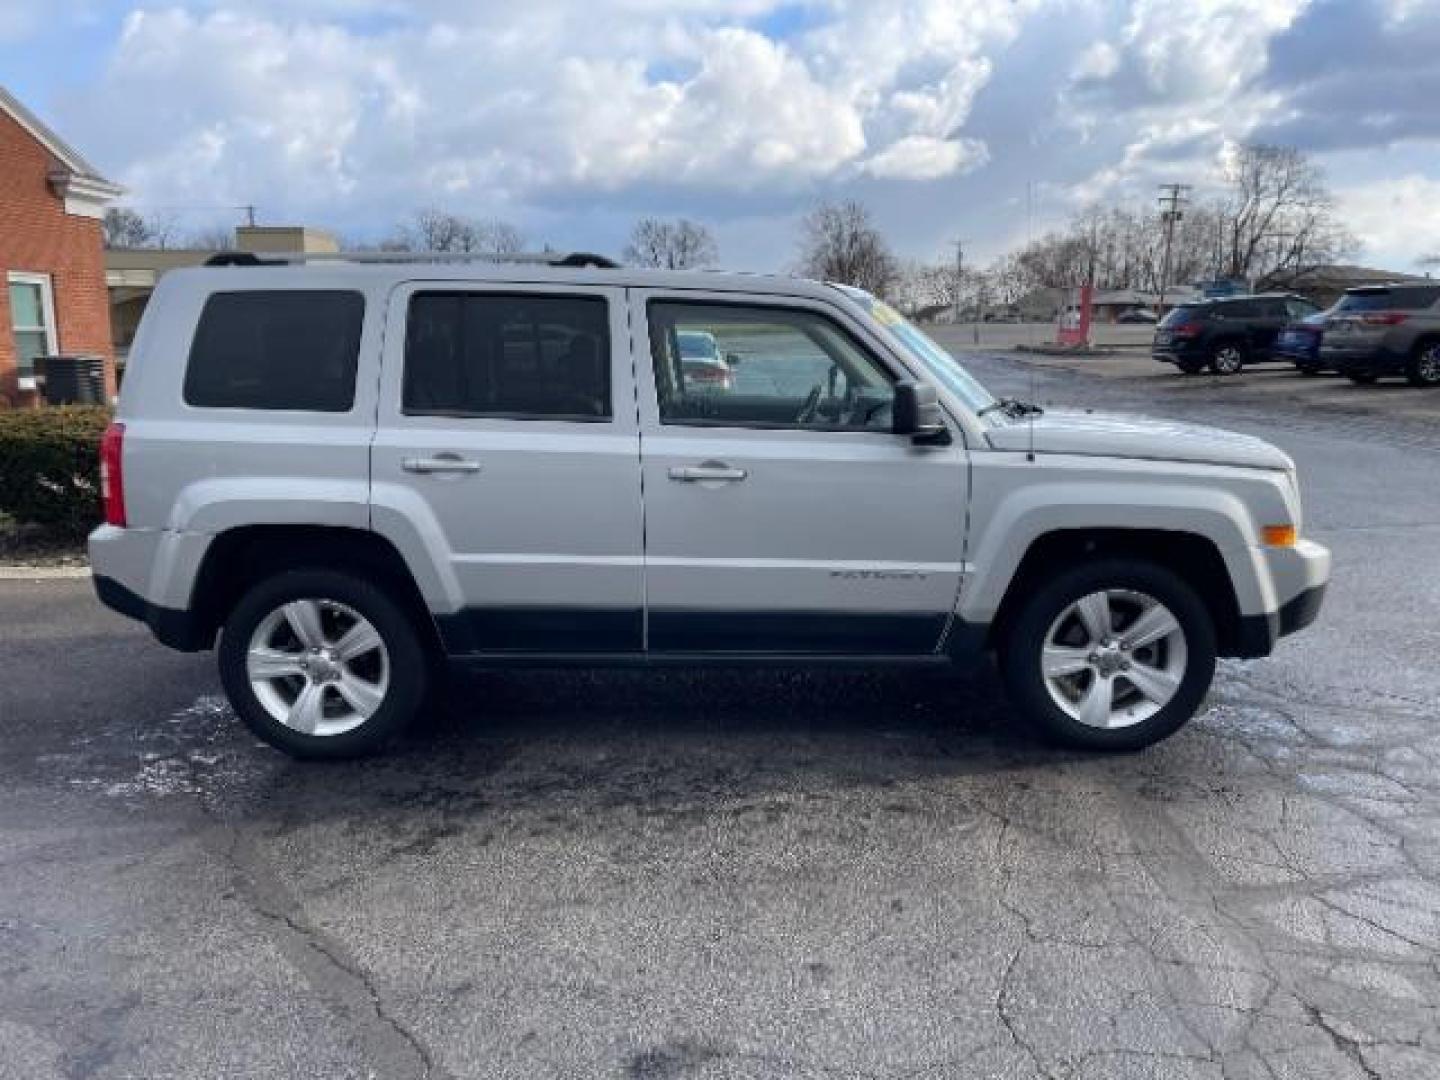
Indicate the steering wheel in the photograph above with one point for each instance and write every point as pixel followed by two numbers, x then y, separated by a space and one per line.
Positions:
pixel 811 408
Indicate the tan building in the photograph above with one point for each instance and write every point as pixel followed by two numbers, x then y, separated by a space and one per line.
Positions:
pixel 132 273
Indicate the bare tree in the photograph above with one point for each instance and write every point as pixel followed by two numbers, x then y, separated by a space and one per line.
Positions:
pixel 124 228
pixel 432 229
pixel 671 245
pixel 839 242
pixel 1278 211
pixel 211 238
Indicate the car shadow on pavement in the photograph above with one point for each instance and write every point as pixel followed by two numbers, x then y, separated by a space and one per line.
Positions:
pixel 567 751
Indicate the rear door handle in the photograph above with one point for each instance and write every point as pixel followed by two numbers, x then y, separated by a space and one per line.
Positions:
pixel 708 471
pixel 440 463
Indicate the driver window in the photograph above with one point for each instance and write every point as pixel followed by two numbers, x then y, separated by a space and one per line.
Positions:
pixel 743 366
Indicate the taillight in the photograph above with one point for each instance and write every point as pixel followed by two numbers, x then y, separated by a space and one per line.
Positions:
pixel 112 476
pixel 1186 329
pixel 1384 318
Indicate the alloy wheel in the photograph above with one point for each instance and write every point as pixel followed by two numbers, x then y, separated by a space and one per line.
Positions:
pixel 1427 366
pixel 318 667
pixel 1114 658
pixel 1228 360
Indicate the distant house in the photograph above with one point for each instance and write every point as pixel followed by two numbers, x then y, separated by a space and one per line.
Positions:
pixel 51 252
pixel 1325 284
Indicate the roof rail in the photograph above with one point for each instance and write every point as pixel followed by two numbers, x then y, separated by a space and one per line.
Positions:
pixel 544 258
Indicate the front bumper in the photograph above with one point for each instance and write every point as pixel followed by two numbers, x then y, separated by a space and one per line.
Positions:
pixel 1299 577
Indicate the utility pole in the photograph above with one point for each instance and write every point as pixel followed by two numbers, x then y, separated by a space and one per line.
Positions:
pixel 959 275
pixel 1172 203
pixel 249 209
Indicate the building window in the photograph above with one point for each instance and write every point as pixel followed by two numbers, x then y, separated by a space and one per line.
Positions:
pixel 32 321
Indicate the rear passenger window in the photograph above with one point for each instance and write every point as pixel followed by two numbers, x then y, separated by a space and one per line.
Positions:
pixel 511 357
pixel 281 349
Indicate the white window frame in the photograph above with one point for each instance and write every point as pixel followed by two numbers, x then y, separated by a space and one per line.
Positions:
pixel 47 307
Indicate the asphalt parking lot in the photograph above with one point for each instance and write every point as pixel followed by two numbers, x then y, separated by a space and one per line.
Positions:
pixel 764 874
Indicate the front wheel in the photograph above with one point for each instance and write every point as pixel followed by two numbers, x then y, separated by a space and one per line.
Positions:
pixel 1110 656
pixel 322 664
pixel 1424 366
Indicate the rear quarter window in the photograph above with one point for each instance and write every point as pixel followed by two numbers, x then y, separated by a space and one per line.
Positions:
pixel 276 350
pixel 1400 298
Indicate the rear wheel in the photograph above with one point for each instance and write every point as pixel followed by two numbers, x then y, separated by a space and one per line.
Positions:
pixel 1227 358
pixel 1110 656
pixel 1362 378
pixel 1424 366
pixel 322 664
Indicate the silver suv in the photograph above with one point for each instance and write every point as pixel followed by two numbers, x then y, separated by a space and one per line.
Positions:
pixel 1385 330
pixel 342 471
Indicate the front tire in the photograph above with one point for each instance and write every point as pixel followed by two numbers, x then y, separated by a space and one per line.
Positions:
pixel 1424 366
pixel 322 664
pixel 1113 655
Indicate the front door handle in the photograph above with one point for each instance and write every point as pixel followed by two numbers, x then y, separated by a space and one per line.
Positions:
pixel 711 470
pixel 440 463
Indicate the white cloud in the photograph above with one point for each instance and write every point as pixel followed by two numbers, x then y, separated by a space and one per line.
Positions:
pixel 1397 220
pixel 922 157
pixel 324 99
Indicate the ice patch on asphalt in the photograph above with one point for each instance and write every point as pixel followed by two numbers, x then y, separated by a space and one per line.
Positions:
pixel 198 760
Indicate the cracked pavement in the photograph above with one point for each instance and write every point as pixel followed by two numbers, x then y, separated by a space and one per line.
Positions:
pixel 751 874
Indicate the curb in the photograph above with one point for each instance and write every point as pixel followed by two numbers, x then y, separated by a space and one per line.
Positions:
pixel 43 573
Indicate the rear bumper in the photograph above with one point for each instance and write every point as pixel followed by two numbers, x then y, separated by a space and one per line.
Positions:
pixel 1370 361
pixel 177 629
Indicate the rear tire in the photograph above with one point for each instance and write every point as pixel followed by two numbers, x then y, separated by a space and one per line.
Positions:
pixel 1227 358
pixel 323 664
pixel 1424 366
pixel 1053 661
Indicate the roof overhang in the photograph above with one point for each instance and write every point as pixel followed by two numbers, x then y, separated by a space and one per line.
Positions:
pixel 84 196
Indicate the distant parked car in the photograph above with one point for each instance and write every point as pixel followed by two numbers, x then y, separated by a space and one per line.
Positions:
pixel 1385 330
pixel 1300 343
pixel 701 365
pixel 1227 333
pixel 1137 315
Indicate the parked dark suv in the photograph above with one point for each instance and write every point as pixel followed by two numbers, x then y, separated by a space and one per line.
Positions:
pixel 1227 333
pixel 1385 330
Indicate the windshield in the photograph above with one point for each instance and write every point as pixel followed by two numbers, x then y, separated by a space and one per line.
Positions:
pixel 934 359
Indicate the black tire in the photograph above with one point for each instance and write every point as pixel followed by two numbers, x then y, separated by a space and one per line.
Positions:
pixel 1023 643
pixel 1307 368
pixel 1363 378
pixel 1190 367
pixel 1424 366
pixel 1227 358
pixel 408 663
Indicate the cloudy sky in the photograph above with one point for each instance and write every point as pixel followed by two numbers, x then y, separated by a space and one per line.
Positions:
pixel 979 119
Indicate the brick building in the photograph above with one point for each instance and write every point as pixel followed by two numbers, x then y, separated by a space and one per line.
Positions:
pixel 51 252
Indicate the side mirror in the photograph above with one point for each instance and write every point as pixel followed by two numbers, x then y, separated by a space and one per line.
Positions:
pixel 918 414
pixel 733 359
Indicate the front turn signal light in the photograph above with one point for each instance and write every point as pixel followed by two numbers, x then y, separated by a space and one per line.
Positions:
pixel 1280 535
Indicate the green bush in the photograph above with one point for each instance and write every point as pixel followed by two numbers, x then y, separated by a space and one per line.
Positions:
pixel 50 468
